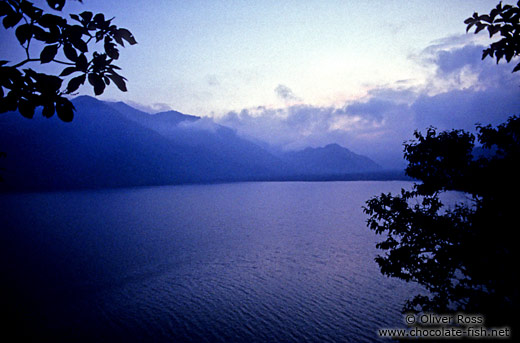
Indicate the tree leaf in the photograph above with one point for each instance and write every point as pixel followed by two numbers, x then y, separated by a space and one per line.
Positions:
pixel 99 18
pixel 80 45
pixel 96 81
pixel 494 12
pixel 127 35
pixel 23 33
pixel 48 83
pixel 119 81
pixel 485 18
pixel 48 53
pixel 110 48
pixel 117 37
pixel 82 63
pixel 48 110
pixel 5 9
pixel 30 10
pixel 8 103
pixel 43 36
pixel 67 71
pixel 74 32
pixel 480 27
pixel 11 20
pixel 87 16
pixel 99 36
pixel 50 20
pixel 65 110
pixel 493 29
pixel 75 82
pixel 487 52
pixel 70 52
pixel 498 55
pixel 26 108
pixel 56 4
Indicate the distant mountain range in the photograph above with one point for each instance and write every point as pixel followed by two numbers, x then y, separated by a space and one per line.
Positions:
pixel 111 144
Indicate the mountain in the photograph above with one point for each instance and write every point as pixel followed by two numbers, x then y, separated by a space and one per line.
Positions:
pixel 157 122
pixel 114 145
pixel 100 148
pixel 330 160
pixel 203 133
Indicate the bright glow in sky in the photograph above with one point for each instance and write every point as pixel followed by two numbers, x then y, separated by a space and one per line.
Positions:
pixel 204 57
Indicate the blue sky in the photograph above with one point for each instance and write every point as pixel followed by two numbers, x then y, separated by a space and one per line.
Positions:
pixel 205 57
pixel 364 74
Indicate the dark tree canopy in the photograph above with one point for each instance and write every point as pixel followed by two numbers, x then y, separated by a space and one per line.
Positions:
pixel 60 41
pixel 504 20
pixel 464 254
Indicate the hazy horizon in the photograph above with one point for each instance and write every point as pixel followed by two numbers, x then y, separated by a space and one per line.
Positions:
pixel 295 74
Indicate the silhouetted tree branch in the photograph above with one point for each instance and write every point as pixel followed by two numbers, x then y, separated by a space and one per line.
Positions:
pixel 464 255
pixel 504 20
pixel 64 42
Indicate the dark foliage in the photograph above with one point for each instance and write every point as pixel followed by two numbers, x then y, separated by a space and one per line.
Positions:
pixel 64 42
pixel 463 255
pixel 504 20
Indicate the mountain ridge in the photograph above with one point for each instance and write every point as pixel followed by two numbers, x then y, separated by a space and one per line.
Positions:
pixel 115 145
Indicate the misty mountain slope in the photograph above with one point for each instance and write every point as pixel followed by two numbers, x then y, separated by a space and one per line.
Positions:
pixel 221 142
pixel 103 148
pixel 201 133
pixel 98 148
pixel 331 159
pixel 160 122
pixel 114 145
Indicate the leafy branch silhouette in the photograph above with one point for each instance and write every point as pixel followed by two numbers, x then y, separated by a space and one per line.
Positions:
pixel 61 42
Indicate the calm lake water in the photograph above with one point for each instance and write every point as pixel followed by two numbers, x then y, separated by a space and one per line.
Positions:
pixel 244 262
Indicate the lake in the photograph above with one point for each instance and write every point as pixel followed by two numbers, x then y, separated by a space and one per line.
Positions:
pixel 241 262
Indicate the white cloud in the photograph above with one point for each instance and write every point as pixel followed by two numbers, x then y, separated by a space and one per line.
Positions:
pixel 461 92
pixel 153 108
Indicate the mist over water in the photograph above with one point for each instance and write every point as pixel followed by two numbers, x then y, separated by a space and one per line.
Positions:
pixel 243 262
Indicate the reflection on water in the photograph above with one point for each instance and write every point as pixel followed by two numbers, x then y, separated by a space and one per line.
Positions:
pixel 245 262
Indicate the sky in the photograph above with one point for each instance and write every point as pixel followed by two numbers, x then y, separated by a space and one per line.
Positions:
pixel 363 74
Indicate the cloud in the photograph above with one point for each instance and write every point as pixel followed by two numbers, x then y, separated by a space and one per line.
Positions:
pixel 153 108
pixel 375 108
pixel 300 126
pixel 478 91
pixel 285 93
pixel 462 91
pixel 464 108
pixel 202 124
pixel 453 60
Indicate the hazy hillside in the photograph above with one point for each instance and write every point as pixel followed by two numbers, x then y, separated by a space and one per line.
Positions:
pixel 161 121
pixel 112 144
pixel 329 160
